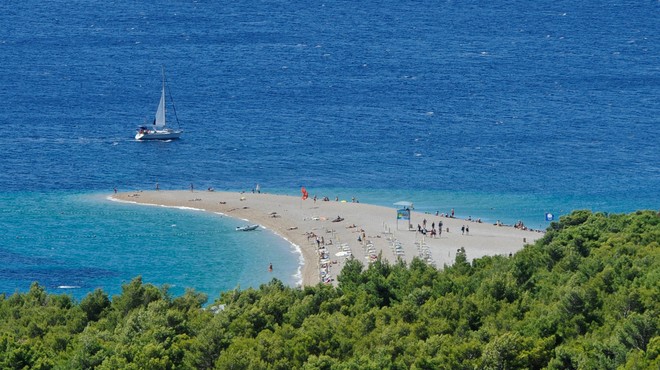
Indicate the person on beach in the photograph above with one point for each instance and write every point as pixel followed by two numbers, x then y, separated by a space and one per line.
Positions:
pixel 452 213
pixel 191 187
pixel 467 230
pixel 463 230
pixel 115 190
pixel 157 186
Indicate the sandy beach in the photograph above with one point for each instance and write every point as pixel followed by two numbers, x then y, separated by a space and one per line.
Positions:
pixel 363 231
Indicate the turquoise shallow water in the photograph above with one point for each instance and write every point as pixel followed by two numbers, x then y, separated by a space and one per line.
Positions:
pixel 75 243
pixel 500 111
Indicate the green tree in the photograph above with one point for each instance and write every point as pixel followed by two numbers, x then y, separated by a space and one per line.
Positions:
pixel 95 304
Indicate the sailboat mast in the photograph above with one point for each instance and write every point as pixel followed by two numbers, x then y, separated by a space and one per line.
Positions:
pixel 162 95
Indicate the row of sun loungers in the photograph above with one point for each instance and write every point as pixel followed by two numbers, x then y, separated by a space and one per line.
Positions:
pixel 370 253
pixel 425 253
pixel 326 260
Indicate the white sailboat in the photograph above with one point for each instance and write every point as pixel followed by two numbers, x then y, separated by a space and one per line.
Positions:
pixel 159 131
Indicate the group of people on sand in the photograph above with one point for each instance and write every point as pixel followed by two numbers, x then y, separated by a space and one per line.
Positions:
pixel 320 240
pixel 520 225
pixel 432 232
pixel 326 199
pixel 449 214
pixel 477 220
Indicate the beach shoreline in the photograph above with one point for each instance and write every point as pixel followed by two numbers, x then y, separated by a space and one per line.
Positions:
pixel 328 232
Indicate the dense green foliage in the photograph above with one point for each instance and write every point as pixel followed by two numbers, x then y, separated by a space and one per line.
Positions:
pixel 585 296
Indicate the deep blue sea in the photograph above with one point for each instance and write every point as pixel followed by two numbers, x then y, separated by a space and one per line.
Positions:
pixel 498 110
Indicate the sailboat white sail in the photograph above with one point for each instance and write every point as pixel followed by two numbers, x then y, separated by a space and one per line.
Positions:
pixel 160 113
pixel 159 131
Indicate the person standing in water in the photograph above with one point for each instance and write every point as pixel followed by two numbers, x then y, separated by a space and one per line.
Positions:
pixel 270 267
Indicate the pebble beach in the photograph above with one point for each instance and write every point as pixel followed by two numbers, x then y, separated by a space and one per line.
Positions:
pixel 328 232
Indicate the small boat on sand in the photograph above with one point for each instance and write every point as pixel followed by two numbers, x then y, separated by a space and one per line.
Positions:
pixel 247 227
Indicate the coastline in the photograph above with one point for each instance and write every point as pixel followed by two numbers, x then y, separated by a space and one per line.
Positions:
pixel 364 231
